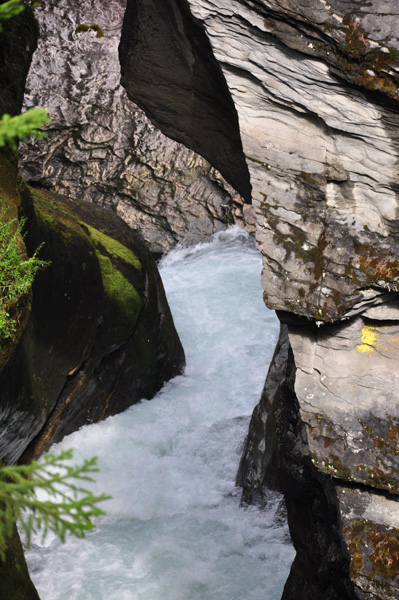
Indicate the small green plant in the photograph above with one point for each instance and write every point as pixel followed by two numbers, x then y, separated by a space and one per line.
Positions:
pixel 10 9
pixel 22 126
pixel 16 275
pixel 93 27
pixel 68 508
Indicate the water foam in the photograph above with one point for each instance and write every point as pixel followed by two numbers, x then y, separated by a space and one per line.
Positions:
pixel 174 529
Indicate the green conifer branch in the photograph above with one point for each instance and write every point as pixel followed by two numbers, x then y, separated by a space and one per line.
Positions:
pixel 69 508
pixel 10 9
pixel 22 126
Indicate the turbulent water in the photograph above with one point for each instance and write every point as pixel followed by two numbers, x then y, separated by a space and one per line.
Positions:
pixel 174 529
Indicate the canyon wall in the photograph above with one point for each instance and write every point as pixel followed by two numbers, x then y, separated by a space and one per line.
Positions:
pixel 102 148
pixel 315 87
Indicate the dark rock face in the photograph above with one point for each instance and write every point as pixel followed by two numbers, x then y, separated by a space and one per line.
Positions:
pixel 18 41
pixel 101 147
pixel 15 582
pixel 316 88
pixel 259 462
pixel 345 535
pixel 169 69
pixel 100 335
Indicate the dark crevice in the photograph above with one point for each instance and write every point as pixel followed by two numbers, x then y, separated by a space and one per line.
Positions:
pixel 169 70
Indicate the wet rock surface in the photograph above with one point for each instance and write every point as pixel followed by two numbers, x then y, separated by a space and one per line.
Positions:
pixel 315 85
pixel 170 70
pixel 101 147
pixel 18 41
pixel 99 336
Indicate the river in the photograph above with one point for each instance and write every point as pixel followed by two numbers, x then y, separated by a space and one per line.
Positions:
pixel 174 528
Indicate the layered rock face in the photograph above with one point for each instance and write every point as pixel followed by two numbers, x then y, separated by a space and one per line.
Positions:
pixel 315 86
pixel 101 147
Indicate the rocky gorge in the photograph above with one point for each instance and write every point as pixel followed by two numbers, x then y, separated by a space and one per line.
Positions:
pixel 315 87
pixel 295 103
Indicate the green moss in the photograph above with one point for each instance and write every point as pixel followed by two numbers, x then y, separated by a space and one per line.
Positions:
pixel 117 287
pixel 259 162
pixel 308 177
pixel 113 247
pixel 378 265
pixel 354 533
pixel 385 555
pixel 82 27
pixel 109 251
pixel 53 213
pixel 333 465
pixel 119 290
pixel 93 27
pixel 369 68
pixel 356 37
pixel 383 434
pixel 337 297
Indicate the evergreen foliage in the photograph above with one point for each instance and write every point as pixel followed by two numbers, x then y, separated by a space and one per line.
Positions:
pixel 16 274
pixel 28 123
pixel 22 126
pixel 68 509
pixel 9 9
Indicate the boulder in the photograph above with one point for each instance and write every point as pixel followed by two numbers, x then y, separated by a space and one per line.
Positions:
pixel 99 335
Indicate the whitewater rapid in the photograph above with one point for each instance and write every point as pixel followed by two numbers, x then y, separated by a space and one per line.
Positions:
pixel 174 529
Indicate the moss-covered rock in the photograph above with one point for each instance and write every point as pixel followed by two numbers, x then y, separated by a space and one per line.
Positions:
pixel 99 335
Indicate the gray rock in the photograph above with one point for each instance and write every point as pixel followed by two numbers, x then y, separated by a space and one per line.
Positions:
pixel 258 470
pixel 101 147
pixel 370 528
pixel 322 156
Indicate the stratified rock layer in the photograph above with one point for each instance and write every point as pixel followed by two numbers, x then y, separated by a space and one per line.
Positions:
pixel 101 147
pixel 315 85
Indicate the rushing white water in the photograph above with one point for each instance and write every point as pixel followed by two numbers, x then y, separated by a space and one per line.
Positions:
pixel 174 529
